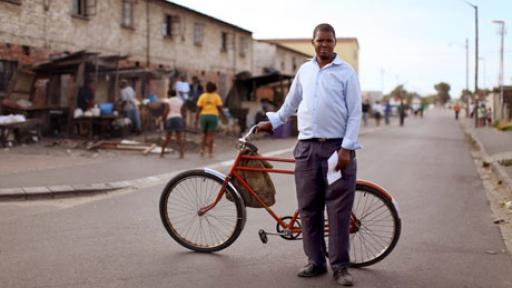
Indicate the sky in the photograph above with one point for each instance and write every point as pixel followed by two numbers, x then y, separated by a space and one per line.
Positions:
pixel 415 43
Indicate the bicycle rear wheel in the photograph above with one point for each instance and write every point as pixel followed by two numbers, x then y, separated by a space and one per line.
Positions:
pixel 181 201
pixel 375 228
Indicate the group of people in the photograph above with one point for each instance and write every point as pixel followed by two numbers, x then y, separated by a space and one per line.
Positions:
pixel 377 111
pixel 127 101
pixel 481 112
pixel 188 103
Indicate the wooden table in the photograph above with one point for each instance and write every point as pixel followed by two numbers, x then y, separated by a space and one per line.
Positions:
pixel 87 126
pixel 20 130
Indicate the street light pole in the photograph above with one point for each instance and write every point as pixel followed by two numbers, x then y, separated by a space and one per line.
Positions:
pixel 467 78
pixel 475 111
pixel 501 24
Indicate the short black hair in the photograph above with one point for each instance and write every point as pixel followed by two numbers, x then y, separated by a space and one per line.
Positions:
pixel 325 27
pixel 211 87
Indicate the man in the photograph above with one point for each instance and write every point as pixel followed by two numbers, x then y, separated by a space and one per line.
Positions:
pixel 85 99
pixel 456 109
pixel 196 89
pixel 182 88
pixel 130 109
pixel 326 93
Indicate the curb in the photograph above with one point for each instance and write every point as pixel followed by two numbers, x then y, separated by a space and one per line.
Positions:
pixel 62 191
pixel 495 165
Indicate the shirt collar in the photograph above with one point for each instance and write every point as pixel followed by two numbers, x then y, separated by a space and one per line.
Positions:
pixel 336 61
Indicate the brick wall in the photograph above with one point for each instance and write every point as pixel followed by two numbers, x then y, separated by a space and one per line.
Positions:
pixel 56 29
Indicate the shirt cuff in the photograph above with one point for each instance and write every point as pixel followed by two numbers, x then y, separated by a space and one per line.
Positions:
pixel 350 144
pixel 274 119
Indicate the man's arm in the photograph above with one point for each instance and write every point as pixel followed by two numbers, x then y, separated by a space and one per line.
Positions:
pixel 353 102
pixel 290 105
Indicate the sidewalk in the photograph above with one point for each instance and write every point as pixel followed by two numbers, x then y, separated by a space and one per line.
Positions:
pixel 37 171
pixel 495 146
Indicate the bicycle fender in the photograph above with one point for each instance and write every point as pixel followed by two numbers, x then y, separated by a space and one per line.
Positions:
pixel 381 190
pixel 222 177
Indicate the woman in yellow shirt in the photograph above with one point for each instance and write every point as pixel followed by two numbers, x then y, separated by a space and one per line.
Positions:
pixel 209 105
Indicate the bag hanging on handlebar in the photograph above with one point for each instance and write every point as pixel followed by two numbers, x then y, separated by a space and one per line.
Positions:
pixel 260 182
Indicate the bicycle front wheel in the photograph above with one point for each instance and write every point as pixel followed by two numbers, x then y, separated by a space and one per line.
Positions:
pixel 181 201
pixel 375 227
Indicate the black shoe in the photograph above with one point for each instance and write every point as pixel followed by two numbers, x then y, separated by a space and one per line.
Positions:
pixel 311 270
pixel 343 277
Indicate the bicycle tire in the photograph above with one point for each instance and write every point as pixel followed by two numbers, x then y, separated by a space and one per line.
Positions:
pixel 379 227
pixel 182 198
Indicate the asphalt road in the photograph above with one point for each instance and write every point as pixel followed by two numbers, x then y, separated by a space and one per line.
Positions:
pixel 117 240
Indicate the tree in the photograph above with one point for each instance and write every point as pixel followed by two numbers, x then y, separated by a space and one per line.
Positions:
pixel 443 92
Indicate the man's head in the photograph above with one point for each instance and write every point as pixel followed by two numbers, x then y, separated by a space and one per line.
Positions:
pixel 324 41
pixel 123 83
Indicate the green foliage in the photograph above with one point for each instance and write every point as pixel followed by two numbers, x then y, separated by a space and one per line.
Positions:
pixel 443 92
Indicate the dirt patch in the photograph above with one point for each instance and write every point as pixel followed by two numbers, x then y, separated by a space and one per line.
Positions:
pixel 499 196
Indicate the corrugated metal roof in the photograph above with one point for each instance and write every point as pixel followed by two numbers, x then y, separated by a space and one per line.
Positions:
pixel 203 15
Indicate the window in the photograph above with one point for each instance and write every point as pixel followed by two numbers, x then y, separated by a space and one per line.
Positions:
pixel 7 69
pixel 83 8
pixel 12 1
pixel 171 25
pixel 224 42
pixel 198 34
pixel 242 50
pixel 127 14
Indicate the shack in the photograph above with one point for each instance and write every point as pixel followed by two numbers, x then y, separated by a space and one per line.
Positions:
pixel 244 97
pixel 48 91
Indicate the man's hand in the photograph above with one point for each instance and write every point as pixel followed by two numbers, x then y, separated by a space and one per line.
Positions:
pixel 264 126
pixel 343 159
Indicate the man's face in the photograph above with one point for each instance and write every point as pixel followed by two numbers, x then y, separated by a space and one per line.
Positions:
pixel 324 43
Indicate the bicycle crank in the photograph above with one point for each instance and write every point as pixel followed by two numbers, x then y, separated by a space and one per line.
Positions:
pixel 263 235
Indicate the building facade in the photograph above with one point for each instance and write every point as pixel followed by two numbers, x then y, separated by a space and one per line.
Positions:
pixel 347 48
pixel 153 33
pixel 270 57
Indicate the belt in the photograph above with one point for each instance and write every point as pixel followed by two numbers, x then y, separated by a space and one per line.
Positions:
pixel 322 140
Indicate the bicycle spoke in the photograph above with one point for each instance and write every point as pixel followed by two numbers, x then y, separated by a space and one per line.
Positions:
pixel 209 230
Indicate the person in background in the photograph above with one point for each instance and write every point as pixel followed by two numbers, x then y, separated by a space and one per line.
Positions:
pixel 85 99
pixel 482 114
pixel 387 112
pixel 174 115
pixel 489 116
pixel 183 88
pixel 366 110
pixel 196 89
pixel 129 102
pixel 209 105
pixel 456 110
pixel 377 111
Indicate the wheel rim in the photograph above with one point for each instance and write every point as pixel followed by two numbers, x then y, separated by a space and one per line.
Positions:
pixel 376 231
pixel 212 229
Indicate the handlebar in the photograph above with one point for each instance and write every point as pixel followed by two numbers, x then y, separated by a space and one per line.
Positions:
pixel 251 131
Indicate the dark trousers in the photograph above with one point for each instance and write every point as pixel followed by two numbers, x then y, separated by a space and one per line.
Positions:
pixel 313 195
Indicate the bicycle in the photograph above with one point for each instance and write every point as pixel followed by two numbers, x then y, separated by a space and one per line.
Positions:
pixel 196 212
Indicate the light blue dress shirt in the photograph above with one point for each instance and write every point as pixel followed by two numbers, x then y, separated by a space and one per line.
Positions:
pixel 328 100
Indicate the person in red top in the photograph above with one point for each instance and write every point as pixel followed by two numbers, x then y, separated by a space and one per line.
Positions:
pixel 456 109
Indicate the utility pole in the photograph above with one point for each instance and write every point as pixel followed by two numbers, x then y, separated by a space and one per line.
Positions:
pixel 467 64
pixel 501 24
pixel 475 111
pixel 467 78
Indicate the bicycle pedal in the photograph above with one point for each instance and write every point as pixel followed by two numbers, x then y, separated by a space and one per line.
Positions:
pixel 263 236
